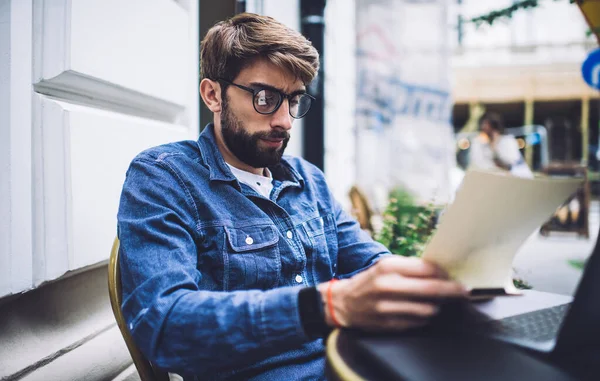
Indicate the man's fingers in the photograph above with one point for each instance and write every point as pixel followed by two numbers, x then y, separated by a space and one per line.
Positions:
pixel 406 309
pixel 394 286
pixel 410 267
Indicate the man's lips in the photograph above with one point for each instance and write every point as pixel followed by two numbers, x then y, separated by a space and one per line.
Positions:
pixel 273 142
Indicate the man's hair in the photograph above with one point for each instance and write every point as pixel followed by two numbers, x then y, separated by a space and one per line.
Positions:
pixel 231 45
pixel 495 121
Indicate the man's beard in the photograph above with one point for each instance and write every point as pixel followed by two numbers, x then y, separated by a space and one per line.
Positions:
pixel 245 146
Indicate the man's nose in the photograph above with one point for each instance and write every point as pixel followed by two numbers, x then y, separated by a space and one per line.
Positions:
pixel 282 118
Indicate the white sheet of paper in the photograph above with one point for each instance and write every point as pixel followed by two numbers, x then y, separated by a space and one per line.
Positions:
pixel 491 217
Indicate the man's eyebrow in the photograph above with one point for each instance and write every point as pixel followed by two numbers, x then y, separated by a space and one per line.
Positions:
pixel 271 87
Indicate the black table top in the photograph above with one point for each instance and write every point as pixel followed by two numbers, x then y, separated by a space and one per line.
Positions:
pixel 421 356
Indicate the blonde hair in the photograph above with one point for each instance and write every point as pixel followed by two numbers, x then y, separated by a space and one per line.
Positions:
pixel 231 45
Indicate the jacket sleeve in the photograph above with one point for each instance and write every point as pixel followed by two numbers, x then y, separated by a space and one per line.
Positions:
pixel 357 251
pixel 177 325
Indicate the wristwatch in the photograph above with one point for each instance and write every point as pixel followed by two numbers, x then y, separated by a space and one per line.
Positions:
pixel 312 313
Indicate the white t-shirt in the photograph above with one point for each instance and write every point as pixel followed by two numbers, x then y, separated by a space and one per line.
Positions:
pixel 481 155
pixel 261 184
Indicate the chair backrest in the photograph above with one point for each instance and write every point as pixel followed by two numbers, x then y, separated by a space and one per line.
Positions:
pixel 361 209
pixel 144 367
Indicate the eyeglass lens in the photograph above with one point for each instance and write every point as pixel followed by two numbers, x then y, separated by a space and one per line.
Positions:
pixel 266 101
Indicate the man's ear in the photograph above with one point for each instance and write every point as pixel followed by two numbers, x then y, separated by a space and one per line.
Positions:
pixel 210 91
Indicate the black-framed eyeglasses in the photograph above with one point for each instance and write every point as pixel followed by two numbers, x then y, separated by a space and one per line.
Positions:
pixel 267 100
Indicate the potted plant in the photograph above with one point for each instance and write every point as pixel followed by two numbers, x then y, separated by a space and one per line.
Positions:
pixel 406 226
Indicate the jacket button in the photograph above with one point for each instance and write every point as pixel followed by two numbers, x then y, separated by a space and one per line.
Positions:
pixel 298 278
pixel 249 240
pixel 289 234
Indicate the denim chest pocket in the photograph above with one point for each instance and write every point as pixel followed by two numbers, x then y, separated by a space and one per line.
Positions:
pixel 323 245
pixel 251 258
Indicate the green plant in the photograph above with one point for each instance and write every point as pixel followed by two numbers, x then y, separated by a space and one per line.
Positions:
pixel 406 226
pixel 506 13
pixel 577 263
pixel 521 284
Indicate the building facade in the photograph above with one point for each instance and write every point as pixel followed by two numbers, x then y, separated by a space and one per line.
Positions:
pixel 528 69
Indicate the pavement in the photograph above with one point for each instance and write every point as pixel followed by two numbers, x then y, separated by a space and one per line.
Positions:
pixel 543 262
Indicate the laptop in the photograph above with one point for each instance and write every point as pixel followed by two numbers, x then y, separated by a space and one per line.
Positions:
pixel 476 242
pixel 550 325
pixel 538 321
pixel 544 323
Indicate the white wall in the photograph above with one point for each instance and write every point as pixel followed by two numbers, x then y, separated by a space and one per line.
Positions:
pixel 85 86
pixel 340 97
pixel 15 146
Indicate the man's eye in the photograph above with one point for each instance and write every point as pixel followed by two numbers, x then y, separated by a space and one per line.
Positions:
pixel 266 101
pixel 266 98
pixel 261 99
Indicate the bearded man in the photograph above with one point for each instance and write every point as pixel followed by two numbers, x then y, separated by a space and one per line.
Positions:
pixel 236 260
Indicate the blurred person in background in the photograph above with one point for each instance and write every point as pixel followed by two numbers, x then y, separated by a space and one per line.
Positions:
pixel 493 150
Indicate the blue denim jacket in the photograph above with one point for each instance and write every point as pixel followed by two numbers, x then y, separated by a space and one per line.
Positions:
pixel 211 270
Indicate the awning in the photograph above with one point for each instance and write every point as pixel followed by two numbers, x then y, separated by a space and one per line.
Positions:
pixel 591 12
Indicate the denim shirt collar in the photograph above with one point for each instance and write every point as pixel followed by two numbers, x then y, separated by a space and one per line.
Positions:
pixel 219 171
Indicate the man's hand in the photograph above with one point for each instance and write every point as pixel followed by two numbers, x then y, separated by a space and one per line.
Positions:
pixel 494 139
pixel 396 293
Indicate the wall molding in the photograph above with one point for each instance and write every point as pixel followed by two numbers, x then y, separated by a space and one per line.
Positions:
pixel 51 38
pixel 85 90
pixel 52 191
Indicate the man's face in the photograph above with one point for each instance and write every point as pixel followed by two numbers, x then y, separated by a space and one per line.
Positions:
pixel 255 139
pixel 487 129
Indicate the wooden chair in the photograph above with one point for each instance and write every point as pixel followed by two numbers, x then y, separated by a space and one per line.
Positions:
pixel 146 370
pixel 361 209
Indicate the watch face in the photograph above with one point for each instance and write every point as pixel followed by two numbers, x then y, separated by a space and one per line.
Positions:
pixel 312 315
